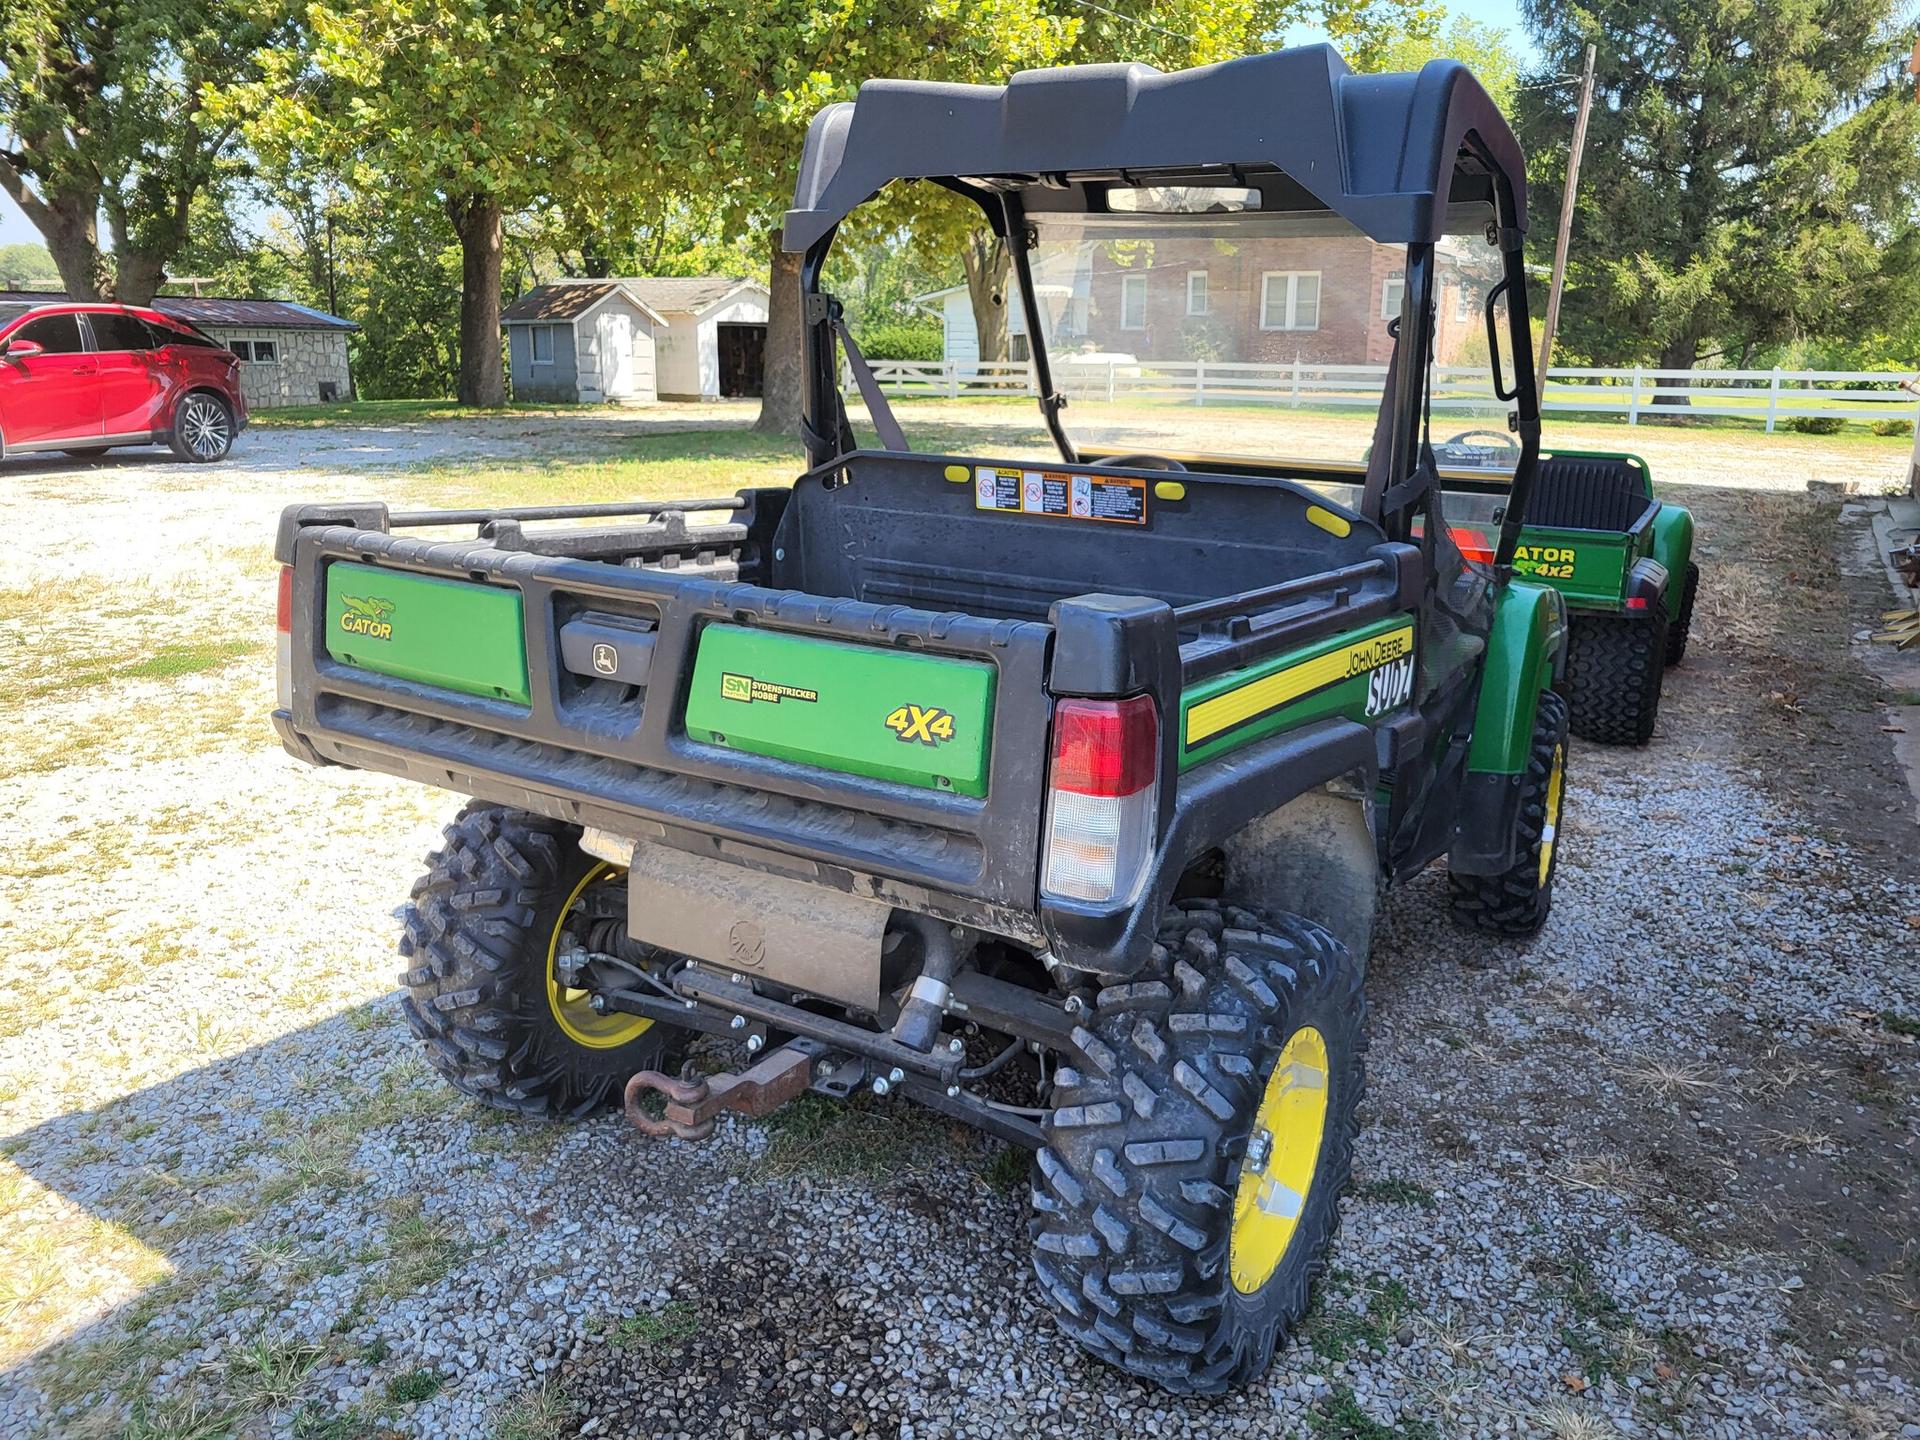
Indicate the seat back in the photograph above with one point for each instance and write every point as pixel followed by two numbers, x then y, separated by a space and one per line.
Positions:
pixel 1588 492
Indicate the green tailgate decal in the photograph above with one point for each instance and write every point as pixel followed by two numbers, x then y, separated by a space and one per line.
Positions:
pixel 449 633
pixel 1585 565
pixel 891 714
pixel 1361 673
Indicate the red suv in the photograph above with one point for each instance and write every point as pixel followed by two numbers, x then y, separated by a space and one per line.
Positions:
pixel 85 378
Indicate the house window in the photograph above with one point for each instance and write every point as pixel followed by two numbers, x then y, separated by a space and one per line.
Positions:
pixel 1133 302
pixel 1392 294
pixel 258 352
pixel 1197 298
pixel 540 337
pixel 1290 300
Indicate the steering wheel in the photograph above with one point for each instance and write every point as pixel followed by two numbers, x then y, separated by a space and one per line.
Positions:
pixel 1466 437
pixel 1142 461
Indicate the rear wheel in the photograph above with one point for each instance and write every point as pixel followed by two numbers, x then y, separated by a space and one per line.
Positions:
pixel 507 895
pixel 1191 1176
pixel 1614 666
pixel 1517 902
pixel 1683 622
pixel 202 428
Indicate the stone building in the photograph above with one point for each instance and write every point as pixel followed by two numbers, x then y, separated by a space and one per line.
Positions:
pixel 289 354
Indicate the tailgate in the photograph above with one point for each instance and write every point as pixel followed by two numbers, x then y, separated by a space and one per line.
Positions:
pixel 721 717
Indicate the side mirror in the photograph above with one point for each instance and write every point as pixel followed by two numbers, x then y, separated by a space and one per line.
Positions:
pixel 21 349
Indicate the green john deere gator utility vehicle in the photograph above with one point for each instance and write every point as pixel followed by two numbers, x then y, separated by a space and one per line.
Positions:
pixel 1053 794
pixel 1621 559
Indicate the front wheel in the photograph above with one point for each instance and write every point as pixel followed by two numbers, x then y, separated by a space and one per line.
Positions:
pixel 505 896
pixel 1516 903
pixel 1682 625
pixel 202 429
pixel 1190 1180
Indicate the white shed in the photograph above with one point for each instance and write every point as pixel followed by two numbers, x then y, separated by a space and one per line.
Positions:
pixel 715 343
pixel 639 338
pixel 583 340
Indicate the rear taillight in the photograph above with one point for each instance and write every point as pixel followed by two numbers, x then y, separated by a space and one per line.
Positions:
pixel 1636 602
pixel 283 641
pixel 1103 790
pixel 1471 543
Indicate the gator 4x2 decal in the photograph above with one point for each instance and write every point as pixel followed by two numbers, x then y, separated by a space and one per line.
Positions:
pixel 929 725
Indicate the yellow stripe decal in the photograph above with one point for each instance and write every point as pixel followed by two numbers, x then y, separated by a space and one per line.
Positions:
pixel 1282 687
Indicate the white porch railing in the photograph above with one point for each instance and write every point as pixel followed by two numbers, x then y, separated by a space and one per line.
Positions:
pixel 1771 397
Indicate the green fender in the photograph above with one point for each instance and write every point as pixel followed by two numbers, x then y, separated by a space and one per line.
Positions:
pixel 1523 652
pixel 1673 548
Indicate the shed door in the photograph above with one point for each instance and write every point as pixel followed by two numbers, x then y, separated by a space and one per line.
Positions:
pixel 743 359
pixel 616 358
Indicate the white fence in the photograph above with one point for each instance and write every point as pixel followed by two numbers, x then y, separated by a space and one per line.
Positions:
pixel 1768 396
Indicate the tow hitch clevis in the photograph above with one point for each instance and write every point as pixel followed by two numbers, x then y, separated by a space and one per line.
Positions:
pixel 692 1104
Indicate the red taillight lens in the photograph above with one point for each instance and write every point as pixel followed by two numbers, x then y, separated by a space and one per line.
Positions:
pixel 1102 799
pixel 1636 602
pixel 283 620
pixel 1472 544
pixel 1105 747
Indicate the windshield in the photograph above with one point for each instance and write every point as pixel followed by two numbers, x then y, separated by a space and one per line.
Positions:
pixel 1235 334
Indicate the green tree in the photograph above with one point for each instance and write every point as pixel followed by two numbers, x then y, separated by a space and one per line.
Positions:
pixel 1485 50
pixel 29 265
pixel 488 107
pixel 102 114
pixel 1747 168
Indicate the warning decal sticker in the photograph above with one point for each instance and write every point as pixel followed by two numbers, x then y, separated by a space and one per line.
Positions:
pixel 1112 498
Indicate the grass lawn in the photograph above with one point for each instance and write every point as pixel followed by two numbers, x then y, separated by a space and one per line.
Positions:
pixel 392 412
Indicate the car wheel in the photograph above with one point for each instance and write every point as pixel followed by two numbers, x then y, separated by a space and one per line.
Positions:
pixel 202 428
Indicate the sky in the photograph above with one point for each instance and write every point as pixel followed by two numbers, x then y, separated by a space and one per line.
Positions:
pixel 16 228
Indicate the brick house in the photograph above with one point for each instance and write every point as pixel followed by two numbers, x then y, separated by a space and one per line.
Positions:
pixel 1323 300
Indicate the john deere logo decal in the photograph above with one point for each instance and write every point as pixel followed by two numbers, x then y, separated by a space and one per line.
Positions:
pixel 367 617
pixel 929 726
pixel 746 689
pixel 1372 654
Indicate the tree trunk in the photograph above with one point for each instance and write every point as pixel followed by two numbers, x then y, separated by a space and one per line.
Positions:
pixel 69 221
pixel 476 220
pixel 988 266
pixel 784 385
pixel 1682 352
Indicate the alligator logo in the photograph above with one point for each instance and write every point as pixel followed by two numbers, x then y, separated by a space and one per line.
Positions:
pixel 367 617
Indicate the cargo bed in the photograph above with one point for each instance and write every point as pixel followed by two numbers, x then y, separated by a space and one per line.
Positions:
pixel 657 669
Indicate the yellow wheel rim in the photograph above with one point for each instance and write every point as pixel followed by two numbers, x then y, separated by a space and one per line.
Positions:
pixel 569 1006
pixel 1283 1152
pixel 1555 776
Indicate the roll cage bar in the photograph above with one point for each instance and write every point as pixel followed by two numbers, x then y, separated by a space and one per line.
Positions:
pixel 1397 156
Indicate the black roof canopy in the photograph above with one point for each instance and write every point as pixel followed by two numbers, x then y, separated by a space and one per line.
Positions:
pixel 1386 152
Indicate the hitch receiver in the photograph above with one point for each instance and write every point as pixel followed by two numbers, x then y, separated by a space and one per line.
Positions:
pixel 692 1104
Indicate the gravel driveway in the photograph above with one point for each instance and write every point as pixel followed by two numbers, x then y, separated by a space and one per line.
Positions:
pixel 1654 1174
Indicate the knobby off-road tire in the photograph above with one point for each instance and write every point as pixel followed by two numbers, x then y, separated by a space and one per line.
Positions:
pixel 1613 675
pixel 1137 1187
pixel 479 936
pixel 1682 624
pixel 1517 902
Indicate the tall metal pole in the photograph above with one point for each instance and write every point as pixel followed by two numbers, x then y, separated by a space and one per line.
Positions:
pixel 1559 281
